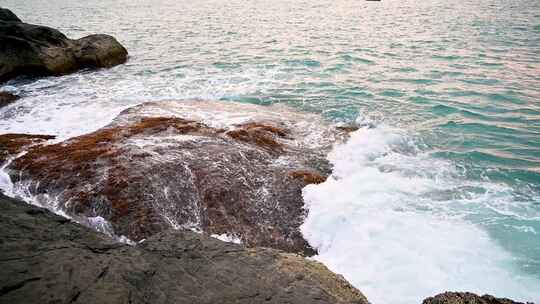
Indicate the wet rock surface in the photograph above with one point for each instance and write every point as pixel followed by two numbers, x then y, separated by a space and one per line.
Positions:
pixel 12 144
pixel 7 98
pixel 466 298
pixel 219 167
pixel 34 50
pixel 46 258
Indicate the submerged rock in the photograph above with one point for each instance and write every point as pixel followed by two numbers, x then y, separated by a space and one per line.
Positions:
pixel 12 144
pixel 7 98
pixel 46 258
pixel 466 298
pixel 220 167
pixel 34 50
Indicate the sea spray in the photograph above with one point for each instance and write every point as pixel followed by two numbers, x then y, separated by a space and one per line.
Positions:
pixel 386 221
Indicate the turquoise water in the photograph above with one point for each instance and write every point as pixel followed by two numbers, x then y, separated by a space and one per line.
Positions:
pixel 457 81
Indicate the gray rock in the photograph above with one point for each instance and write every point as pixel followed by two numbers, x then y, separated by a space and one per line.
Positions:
pixel 34 50
pixel 46 258
pixel 466 298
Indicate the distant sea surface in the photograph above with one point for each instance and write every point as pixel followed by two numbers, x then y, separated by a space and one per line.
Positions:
pixel 438 190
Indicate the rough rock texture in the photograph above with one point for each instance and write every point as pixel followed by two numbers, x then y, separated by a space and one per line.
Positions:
pixel 7 98
pixel 48 259
pixel 221 167
pixel 12 144
pixel 466 298
pixel 34 50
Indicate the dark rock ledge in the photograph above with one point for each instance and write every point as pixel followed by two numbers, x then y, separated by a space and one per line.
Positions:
pixel 7 98
pixel 34 50
pixel 46 258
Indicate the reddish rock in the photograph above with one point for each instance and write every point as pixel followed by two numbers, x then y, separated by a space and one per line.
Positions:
pixel 309 177
pixel 12 144
pixel 210 166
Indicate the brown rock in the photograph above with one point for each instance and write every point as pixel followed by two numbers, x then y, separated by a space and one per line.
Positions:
pixel 162 164
pixel 308 176
pixel 466 298
pixel 11 144
pixel 347 129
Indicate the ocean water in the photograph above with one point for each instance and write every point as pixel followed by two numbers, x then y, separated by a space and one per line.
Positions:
pixel 438 190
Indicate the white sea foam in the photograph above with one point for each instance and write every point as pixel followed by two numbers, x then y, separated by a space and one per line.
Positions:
pixel 384 221
pixel 79 103
pixel 227 238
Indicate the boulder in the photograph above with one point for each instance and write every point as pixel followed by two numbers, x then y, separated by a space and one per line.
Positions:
pixel 466 298
pixel 34 50
pixel 46 258
pixel 9 16
pixel 218 167
pixel 7 98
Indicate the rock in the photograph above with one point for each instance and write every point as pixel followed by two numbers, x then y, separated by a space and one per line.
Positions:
pixel 7 98
pixel 12 144
pixel 46 258
pixel 348 129
pixel 466 298
pixel 34 50
pixel 9 16
pixel 220 167
pixel 97 51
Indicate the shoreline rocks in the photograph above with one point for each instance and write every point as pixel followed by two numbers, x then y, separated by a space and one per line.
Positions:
pixel 7 98
pixel 34 50
pixel 48 258
pixel 218 167
pixel 467 298
pixel 12 144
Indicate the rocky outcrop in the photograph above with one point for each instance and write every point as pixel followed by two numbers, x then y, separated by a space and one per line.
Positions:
pixel 7 98
pixel 7 15
pixel 466 298
pixel 12 144
pixel 220 167
pixel 49 259
pixel 34 50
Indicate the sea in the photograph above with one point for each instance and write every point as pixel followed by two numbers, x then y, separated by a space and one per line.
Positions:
pixel 439 189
